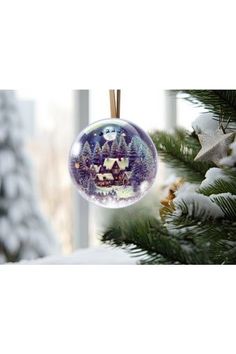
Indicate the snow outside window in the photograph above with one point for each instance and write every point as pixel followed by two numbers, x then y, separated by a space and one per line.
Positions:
pixel 48 118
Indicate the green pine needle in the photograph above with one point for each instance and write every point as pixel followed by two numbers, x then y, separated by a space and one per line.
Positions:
pixel 227 203
pixel 179 150
pixel 219 186
pixel 190 243
pixel 222 103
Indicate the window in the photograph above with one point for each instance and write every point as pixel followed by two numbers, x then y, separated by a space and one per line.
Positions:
pixel 51 121
pixel 186 112
pixel 48 118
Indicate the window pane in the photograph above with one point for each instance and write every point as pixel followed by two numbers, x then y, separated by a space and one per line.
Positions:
pixel 187 112
pixel 49 123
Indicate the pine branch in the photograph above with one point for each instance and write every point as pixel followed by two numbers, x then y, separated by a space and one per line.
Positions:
pixel 179 151
pixel 215 240
pixel 223 183
pixel 227 203
pixel 219 186
pixel 147 238
pixel 216 101
pixel 182 240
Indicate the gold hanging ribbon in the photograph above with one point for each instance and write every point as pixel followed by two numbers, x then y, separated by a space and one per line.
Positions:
pixel 115 103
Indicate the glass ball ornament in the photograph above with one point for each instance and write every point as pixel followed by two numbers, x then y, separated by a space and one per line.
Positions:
pixel 113 163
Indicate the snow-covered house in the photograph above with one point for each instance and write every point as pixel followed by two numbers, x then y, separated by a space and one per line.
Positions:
pixel 126 177
pixel 95 169
pixel 116 166
pixel 113 171
pixel 104 179
pixel 122 163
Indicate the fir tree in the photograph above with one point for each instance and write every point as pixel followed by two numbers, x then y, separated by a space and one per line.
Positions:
pixel 24 232
pixel 97 154
pixel 82 163
pixel 122 147
pixel 197 224
pixel 133 149
pixel 91 186
pixel 142 167
pixel 114 148
pixel 147 160
pixel 83 173
pixel 137 174
pixel 87 153
pixel 143 151
pixel 106 150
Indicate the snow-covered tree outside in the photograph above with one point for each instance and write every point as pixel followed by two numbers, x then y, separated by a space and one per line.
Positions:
pixel 24 232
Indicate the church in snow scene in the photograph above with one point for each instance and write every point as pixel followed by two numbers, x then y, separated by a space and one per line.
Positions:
pixel 113 165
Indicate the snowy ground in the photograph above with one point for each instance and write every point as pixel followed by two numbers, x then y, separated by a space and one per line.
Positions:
pixel 103 255
pixel 122 192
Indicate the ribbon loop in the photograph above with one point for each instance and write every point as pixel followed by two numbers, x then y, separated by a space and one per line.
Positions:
pixel 115 103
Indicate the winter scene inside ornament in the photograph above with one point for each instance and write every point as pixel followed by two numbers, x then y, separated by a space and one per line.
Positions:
pixel 113 163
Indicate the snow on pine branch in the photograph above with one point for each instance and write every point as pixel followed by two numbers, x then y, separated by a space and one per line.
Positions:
pixel 214 199
pixel 217 181
pixel 212 175
pixel 196 206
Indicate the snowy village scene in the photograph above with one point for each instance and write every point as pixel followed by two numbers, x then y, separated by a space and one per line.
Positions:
pixel 113 163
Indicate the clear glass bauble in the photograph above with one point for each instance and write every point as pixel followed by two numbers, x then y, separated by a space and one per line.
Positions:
pixel 113 163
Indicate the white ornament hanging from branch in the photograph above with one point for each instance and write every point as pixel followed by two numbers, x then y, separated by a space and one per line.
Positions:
pixel 214 147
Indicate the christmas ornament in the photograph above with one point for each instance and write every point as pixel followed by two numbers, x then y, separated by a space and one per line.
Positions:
pixel 214 147
pixel 113 162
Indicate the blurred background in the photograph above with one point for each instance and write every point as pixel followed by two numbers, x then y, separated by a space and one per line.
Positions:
pixel 51 121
